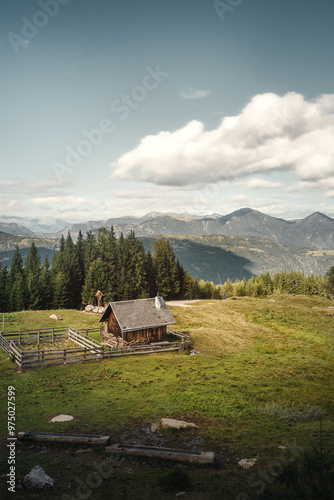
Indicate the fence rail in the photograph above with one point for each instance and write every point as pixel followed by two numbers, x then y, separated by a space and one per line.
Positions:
pixel 5 345
pixel 89 348
pixel 185 337
pixel 36 336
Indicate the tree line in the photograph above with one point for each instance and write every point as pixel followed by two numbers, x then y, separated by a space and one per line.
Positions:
pixel 122 270
pixel 294 282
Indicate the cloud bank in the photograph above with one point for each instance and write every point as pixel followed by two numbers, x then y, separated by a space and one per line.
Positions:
pixel 271 133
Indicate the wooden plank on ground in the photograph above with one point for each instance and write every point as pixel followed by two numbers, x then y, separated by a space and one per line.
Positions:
pixel 64 438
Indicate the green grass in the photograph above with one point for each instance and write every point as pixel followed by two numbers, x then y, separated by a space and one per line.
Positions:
pixel 277 356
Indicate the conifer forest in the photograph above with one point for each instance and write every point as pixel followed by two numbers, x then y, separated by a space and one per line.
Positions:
pixel 122 270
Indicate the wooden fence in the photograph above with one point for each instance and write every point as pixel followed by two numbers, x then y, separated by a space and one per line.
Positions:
pixel 186 338
pixel 36 336
pixel 89 349
pixel 5 345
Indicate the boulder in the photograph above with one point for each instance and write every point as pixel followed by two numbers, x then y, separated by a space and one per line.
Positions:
pixel 54 316
pixel 61 418
pixel 38 479
pixel 175 424
pixel 89 308
pixel 247 463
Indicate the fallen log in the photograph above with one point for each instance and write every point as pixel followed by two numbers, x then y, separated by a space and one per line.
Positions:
pixel 63 438
pixel 203 457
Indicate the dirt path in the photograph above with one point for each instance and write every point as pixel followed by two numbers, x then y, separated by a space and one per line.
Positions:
pixel 181 303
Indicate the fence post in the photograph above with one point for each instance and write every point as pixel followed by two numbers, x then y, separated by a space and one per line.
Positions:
pixel 19 337
pixel 64 355
pixel 38 337
pixel 181 347
pixel 52 335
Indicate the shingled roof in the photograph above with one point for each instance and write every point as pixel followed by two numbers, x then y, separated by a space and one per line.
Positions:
pixel 139 314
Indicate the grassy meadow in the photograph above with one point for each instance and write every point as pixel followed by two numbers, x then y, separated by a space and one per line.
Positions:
pixel 263 377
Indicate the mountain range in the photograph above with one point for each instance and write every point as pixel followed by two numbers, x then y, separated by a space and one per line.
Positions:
pixel 314 231
pixel 214 247
pixel 27 226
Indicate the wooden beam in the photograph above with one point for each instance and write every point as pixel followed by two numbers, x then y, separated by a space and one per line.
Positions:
pixel 63 438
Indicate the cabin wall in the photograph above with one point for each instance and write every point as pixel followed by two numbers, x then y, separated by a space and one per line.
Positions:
pixel 113 326
pixel 158 334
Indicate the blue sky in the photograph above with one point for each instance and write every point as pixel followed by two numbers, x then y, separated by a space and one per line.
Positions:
pixel 112 108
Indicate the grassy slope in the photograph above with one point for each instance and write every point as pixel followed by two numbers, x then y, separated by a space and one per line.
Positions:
pixel 251 352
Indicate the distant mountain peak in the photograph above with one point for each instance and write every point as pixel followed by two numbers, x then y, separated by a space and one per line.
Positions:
pixel 244 211
pixel 318 215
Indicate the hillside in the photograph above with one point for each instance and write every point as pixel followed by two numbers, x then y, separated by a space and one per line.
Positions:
pixel 8 243
pixel 261 379
pixel 314 231
pixel 216 258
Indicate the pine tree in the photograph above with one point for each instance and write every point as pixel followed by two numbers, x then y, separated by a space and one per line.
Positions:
pixel 133 268
pixel 3 287
pixel 166 269
pixel 181 277
pixel 16 268
pixel 89 251
pixel 228 288
pixel 150 276
pixel 18 294
pixel 58 258
pixel 60 291
pixel 32 273
pixel 122 259
pixel 107 251
pixel 71 268
pixel 329 281
pixel 96 279
pixel 16 284
pixel 45 285
pixel 79 249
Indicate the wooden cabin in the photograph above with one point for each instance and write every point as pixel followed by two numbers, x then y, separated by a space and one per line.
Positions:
pixel 138 319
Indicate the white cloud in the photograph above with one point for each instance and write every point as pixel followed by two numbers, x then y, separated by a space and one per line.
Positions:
pixel 271 133
pixel 9 205
pixel 263 184
pixel 61 203
pixel 191 93
pixel 317 185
